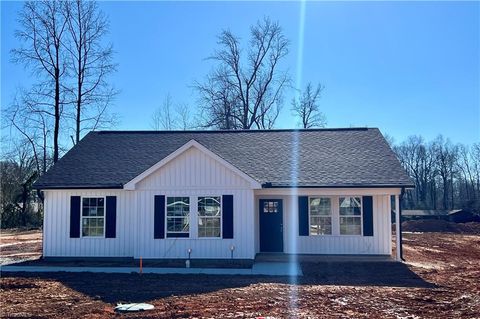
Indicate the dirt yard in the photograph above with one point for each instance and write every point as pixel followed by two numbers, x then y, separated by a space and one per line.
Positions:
pixel 17 245
pixel 439 280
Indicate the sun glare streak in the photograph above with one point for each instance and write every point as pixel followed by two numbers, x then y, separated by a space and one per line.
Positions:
pixel 294 172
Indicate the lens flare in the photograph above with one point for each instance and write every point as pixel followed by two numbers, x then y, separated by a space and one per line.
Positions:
pixel 292 234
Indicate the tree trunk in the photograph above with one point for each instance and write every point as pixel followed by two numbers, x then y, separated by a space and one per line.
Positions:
pixel 445 191
pixel 56 129
pixel 78 118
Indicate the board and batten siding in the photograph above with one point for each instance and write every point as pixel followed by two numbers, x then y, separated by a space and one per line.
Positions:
pixel 378 244
pixel 56 226
pixel 194 173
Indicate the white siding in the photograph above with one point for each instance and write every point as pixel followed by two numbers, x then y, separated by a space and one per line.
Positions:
pixel 201 248
pixel 193 169
pixel 57 241
pixel 193 173
pixel 378 244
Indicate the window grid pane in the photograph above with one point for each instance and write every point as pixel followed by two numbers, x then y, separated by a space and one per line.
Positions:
pixel 350 206
pixel 93 212
pixel 320 216
pixel 270 207
pixel 209 216
pixel 178 210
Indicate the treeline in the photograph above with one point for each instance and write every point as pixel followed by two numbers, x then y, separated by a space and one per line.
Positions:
pixel 20 204
pixel 446 175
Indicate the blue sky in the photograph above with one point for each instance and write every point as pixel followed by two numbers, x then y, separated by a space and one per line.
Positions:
pixel 405 67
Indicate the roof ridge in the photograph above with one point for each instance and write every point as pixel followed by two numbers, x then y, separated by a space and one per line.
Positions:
pixel 233 131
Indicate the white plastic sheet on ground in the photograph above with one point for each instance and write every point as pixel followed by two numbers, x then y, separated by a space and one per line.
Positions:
pixel 133 307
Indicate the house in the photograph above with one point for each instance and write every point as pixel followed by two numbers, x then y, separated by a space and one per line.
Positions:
pixel 462 216
pixel 455 215
pixel 415 214
pixel 222 194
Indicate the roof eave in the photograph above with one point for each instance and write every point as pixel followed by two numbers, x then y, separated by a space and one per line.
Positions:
pixel 269 185
pixel 59 187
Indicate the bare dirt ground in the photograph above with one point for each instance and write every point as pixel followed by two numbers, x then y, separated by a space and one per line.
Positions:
pixel 17 245
pixel 440 279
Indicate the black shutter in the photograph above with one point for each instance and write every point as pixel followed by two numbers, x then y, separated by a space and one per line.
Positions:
pixel 111 217
pixel 74 216
pixel 303 215
pixel 227 216
pixel 159 217
pixel 367 203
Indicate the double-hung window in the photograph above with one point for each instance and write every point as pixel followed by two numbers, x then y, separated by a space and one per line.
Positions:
pixel 93 216
pixel 209 216
pixel 320 216
pixel 178 216
pixel 350 215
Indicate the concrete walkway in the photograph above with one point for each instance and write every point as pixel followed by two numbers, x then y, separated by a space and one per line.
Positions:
pixel 261 268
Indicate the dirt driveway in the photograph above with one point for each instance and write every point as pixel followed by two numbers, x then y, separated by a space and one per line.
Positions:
pixel 439 280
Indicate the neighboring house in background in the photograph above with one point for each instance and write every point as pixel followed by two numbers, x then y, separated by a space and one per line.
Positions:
pixel 159 194
pixel 456 215
pixel 414 214
pixel 462 216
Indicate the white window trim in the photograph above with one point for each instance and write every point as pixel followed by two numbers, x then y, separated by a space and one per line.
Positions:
pixel 193 218
pixel 331 216
pixel 361 216
pixel 221 216
pixel 104 216
pixel 189 219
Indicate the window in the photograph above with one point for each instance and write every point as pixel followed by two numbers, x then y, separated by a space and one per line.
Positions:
pixel 350 215
pixel 93 216
pixel 270 207
pixel 209 216
pixel 320 216
pixel 178 222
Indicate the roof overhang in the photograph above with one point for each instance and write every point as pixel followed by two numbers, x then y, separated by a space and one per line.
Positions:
pixel 270 185
pixel 53 187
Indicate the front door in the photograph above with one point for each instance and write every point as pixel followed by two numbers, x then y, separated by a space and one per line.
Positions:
pixel 271 225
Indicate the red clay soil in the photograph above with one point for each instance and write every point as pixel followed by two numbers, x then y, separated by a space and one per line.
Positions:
pixel 439 280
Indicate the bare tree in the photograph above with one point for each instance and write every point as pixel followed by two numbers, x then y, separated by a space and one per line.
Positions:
pixel 90 64
pixel 307 107
pixel 171 116
pixel 18 171
pixel 245 90
pixel 219 103
pixel 162 118
pixel 42 32
pixel 446 175
pixel 32 121
pixel 184 117
pixel 475 159
pixel 446 156
pixel 418 160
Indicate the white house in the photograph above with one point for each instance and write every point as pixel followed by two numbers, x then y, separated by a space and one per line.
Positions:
pixel 222 194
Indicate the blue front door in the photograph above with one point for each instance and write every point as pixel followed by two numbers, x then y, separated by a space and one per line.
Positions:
pixel 271 225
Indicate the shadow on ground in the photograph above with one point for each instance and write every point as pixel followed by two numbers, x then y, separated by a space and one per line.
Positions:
pixel 113 288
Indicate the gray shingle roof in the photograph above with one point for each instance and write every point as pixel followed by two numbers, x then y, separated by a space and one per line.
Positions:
pixel 323 157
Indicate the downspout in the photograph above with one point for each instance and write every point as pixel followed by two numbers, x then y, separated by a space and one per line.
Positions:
pixel 400 224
